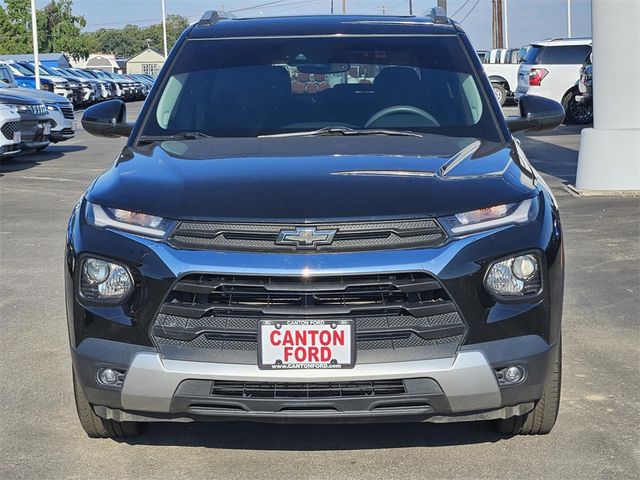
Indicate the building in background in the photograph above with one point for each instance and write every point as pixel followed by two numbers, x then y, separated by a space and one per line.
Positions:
pixel 103 61
pixel 149 62
pixel 46 59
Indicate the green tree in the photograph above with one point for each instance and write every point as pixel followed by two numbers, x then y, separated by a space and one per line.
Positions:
pixel 59 30
pixel 15 27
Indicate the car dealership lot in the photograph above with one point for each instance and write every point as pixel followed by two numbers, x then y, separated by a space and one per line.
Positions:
pixel 596 435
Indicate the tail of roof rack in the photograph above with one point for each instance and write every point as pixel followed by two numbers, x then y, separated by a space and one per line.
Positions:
pixel 211 17
pixel 438 15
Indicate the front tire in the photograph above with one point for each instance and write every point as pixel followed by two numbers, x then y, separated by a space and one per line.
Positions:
pixel 500 93
pixel 96 427
pixel 542 418
pixel 576 113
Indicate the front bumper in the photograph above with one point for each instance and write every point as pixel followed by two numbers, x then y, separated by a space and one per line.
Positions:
pixel 499 334
pixel 464 387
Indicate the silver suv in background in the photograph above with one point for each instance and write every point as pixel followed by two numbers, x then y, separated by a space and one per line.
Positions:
pixel 63 123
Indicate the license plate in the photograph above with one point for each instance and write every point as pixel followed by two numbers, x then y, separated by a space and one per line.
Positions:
pixel 306 344
pixel 17 137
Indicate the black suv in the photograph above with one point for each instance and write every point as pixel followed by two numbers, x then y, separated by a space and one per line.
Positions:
pixel 317 219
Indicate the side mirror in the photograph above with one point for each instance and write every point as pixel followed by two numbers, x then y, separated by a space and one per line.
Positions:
pixel 107 119
pixel 536 114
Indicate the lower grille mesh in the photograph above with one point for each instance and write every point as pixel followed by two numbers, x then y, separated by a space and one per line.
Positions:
pixel 307 390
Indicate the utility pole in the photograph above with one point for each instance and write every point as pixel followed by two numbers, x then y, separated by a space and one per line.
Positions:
pixel 496 24
pixel 410 7
pixel 164 29
pixel 331 7
pixel 506 23
pixel 344 7
pixel 34 33
pixel 569 18
pixel 443 5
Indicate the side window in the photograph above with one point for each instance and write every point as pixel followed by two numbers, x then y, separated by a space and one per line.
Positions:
pixel 169 99
pixel 5 75
pixel 473 97
pixel 565 55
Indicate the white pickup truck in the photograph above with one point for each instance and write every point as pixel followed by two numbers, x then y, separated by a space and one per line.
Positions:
pixel 501 68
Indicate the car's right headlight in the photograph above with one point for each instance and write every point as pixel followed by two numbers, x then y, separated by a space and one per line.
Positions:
pixel 491 217
pixel 515 277
pixel 128 221
pixel 104 280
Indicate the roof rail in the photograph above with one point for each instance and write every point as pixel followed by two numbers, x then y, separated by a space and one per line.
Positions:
pixel 438 15
pixel 211 17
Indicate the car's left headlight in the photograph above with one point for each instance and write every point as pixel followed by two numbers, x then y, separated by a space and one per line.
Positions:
pixel 128 221
pixel 491 217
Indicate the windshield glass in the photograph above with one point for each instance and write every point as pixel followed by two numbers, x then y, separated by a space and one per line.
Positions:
pixel 270 86
pixel 20 69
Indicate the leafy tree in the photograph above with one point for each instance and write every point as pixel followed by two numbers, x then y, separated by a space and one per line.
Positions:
pixel 59 30
pixel 15 27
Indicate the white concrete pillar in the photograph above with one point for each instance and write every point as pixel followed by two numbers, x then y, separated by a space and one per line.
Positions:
pixel 609 156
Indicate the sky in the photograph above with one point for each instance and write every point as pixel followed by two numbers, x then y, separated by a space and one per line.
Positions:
pixel 529 20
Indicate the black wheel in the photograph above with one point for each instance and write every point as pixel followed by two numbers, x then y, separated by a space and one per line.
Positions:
pixel 542 418
pixel 577 113
pixel 39 149
pixel 97 427
pixel 500 93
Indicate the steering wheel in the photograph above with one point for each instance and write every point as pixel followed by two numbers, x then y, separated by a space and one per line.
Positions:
pixel 401 109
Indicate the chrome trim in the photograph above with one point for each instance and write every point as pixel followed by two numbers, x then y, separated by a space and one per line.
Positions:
pixel 430 260
pixel 467 380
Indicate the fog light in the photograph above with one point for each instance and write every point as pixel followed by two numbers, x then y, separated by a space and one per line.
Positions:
pixel 110 377
pixel 510 375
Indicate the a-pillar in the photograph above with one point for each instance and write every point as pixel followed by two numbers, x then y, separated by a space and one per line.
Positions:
pixel 609 156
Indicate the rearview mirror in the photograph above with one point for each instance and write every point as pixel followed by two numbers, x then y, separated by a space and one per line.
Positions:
pixel 107 119
pixel 536 114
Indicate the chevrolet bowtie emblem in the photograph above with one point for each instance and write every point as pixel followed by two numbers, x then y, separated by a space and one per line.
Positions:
pixel 306 237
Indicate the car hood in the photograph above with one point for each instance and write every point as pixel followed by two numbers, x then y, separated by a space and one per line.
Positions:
pixel 201 179
pixel 17 98
pixel 46 97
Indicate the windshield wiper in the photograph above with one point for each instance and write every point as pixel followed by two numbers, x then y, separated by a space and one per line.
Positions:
pixel 175 137
pixel 343 131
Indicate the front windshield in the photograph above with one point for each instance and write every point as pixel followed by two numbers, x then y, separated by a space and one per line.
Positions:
pixel 269 86
pixel 22 70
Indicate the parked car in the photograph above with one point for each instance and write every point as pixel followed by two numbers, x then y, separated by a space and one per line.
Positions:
pixel 352 252
pixel 117 88
pixel 10 130
pixel 551 69
pixel 35 126
pixel 60 110
pixel 25 77
pixel 585 84
pixel 502 69
pixel 106 89
pixel 83 91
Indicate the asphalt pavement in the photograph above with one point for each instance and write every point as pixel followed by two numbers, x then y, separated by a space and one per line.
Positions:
pixel 596 436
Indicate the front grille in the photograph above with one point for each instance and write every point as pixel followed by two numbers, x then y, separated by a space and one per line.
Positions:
pixel 67 111
pixel 339 237
pixel 237 389
pixel 9 128
pixel 410 311
pixel 417 294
